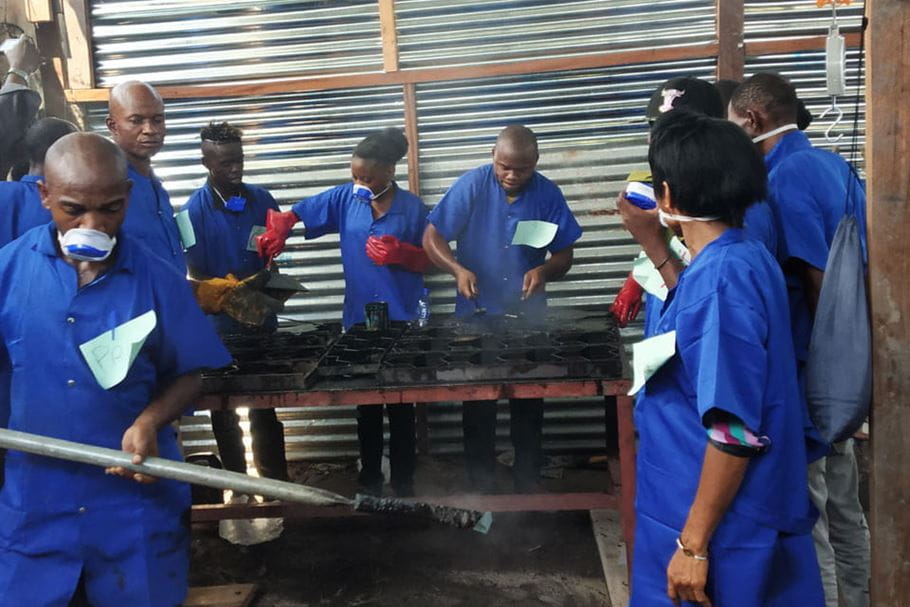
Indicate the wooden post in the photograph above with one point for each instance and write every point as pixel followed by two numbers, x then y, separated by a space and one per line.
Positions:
pixel 888 167
pixel 412 133
pixel 389 29
pixel 46 35
pixel 79 68
pixel 39 11
pixel 731 53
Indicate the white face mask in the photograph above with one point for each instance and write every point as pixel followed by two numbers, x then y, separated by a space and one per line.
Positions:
pixel 777 131
pixel 84 244
pixel 663 216
pixel 366 195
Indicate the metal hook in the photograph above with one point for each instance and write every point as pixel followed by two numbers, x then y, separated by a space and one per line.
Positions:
pixel 839 115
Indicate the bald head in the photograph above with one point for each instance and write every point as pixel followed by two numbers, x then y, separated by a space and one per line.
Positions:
pixel 515 157
pixel 136 121
pixel 85 183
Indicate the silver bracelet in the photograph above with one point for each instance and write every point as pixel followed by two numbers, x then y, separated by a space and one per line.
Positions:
pixel 689 553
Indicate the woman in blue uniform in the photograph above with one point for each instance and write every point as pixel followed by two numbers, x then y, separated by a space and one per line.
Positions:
pixel 381 227
pixel 722 507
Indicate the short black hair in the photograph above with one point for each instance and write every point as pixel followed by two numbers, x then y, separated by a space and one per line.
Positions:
pixel 803 116
pixel 690 93
pixel 710 165
pixel 222 132
pixel 42 134
pixel 387 146
pixel 769 93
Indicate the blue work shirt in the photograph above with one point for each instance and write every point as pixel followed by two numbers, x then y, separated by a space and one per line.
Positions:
pixel 475 212
pixel 150 219
pixel 759 224
pixel 734 352
pixel 337 211
pixel 20 208
pixel 44 317
pixel 808 192
pixel 225 241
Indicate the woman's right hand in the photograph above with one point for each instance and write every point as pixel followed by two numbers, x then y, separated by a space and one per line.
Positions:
pixel 277 228
pixel 628 302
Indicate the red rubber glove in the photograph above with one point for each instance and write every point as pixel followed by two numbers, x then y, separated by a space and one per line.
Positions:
pixel 277 227
pixel 388 250
pixel 628 302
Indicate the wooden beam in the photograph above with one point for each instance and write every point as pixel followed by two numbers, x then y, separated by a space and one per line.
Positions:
pixel 731 54
pixel 389 29
pixel 417 76
pixel 413 135
pixel 39 11
pixel 79 68
pixel 887 166
pixel 796 45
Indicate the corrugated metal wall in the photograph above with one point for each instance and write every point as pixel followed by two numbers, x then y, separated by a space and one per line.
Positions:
pixel 590 123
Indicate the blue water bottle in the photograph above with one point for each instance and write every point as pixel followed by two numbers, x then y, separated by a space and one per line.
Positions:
pixel 423 309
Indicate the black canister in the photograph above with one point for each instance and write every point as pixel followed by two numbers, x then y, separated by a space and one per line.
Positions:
pixel 377 315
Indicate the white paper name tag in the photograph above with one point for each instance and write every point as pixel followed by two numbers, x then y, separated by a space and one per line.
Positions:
pixel 185 226
pixel 534 233
pixel 111 354
pixel 255 231
pixel 650 355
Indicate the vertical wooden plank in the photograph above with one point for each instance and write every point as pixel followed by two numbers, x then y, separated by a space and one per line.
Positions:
pixel 413 135
pixel 731 53
pixel 79 68
pixel 389 30
pixel 888 165
pixel 46 36
pixel 39 11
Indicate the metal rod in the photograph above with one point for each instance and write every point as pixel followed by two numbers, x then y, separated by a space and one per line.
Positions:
pixel 165 468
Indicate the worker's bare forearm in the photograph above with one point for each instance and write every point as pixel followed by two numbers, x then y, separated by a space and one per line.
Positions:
pixel 721 476
pixel 559 264
pixel 171 403
pixel 439 251
pixel 659 252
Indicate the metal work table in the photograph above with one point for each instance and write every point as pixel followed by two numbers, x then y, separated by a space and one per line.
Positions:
pixel 319 382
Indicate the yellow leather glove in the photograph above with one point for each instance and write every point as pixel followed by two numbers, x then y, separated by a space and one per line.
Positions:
pixel 212 294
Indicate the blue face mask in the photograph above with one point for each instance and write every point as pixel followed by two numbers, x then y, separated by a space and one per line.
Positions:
pixel 235 203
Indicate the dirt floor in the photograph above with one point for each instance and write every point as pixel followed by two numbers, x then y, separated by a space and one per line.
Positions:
pixel 546 559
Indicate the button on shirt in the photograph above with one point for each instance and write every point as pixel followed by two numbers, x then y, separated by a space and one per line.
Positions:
pixel 223 239
pixel 20 208
pixel 337 210
pixel 150 219
pixel 808 191
pixel 44 317
pixel 477 215
pixel 734 352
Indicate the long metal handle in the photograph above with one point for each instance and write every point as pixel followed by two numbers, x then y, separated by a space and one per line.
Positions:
pixel 165 468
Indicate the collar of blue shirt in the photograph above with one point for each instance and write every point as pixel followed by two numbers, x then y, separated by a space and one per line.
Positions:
pixel 788 144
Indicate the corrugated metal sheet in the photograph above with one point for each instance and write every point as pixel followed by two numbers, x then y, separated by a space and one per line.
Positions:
pixel 459 32
pixel 590 124
pixel 769 19
pixel 185 41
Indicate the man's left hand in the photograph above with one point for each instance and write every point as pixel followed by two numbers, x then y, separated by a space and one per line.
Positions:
pixel 534 282
pixel 141 440
pixel 686 580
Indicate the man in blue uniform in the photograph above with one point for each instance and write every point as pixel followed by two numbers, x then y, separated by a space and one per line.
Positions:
pixel 105 346
pixel 136 122
pixel 809 191
pixel 20 201
pixel 505 217
pixel 227 215
pixel 723 515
